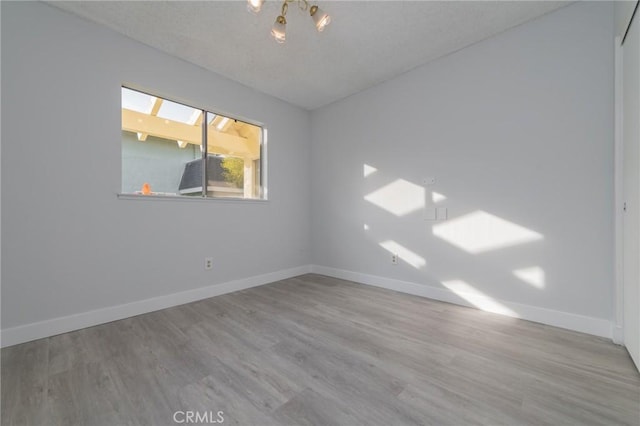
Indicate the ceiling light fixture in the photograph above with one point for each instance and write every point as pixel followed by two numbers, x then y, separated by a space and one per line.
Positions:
pixel 320 18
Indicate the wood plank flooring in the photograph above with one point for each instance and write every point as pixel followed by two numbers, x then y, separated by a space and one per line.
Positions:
pixel 314 350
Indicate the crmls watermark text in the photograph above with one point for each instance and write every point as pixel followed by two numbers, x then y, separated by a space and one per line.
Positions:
pixel 194 417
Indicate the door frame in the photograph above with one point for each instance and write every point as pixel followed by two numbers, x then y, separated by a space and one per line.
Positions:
pixel 617 330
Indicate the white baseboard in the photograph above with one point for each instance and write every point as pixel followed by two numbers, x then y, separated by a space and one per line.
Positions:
pixel 596 326
pixel 617 334
pixel 47 328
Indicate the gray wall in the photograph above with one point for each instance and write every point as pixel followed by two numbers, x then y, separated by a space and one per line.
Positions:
pixel 519 126
pixel 623 13
pixel 69 245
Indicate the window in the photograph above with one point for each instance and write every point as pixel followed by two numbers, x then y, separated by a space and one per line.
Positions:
pixel 165 145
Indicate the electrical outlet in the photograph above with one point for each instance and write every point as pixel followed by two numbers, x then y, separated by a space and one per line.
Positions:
pixel 208 263
pixel 441 213
pixel 394 259
pixel 428 181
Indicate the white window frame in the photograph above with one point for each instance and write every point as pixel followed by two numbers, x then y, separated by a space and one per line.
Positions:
pixel 262 177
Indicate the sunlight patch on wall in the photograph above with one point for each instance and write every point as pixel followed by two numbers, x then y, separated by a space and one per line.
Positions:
pixel 436 197
pixel 368 170
pixel 400 197
pixel 477 298
pixel 480 232
pixel 404 253
pixel 534 276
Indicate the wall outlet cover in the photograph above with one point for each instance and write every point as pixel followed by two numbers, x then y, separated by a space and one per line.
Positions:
pixel 208 263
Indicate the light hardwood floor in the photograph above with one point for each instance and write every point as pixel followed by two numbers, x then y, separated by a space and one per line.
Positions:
pixel 314 350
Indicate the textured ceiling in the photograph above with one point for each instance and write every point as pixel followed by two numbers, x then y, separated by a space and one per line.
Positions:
pixel 366 43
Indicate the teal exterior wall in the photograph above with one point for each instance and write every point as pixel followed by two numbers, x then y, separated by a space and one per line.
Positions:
pixel 158 162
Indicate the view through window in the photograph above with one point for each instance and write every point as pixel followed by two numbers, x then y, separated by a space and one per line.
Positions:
pixel 165 145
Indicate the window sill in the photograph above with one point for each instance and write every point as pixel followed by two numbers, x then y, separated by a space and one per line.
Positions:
pixel 139 197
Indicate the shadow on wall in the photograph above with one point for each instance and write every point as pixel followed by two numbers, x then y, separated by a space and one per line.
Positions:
pixel 473 234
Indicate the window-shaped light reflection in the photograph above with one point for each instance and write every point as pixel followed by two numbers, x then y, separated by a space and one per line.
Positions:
pixel 534 276
pixel 436 197
pixel 368 170
pixel 480 232
pixel 477 298
pixel 400 197
pixel 404 253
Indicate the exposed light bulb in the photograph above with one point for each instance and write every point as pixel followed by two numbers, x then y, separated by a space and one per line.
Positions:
pixel 326 20
pixel 279 29
pixel 320 18
pixel 254 6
